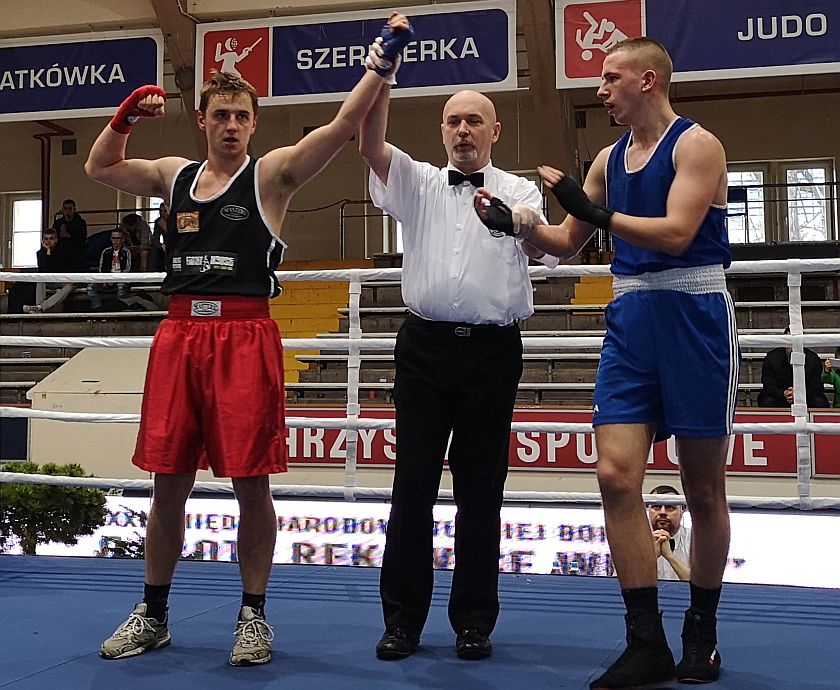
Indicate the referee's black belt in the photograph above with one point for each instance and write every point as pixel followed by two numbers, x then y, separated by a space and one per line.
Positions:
pixel 462 330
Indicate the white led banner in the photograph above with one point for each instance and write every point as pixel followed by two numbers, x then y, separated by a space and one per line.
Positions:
pixel 767 547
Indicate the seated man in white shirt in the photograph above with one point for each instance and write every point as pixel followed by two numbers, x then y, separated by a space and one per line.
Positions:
pixel 671 539
pixel 116 259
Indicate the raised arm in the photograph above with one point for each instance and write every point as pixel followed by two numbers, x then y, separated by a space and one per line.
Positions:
pixel 372 145
pixel 286 169
pixel 107 163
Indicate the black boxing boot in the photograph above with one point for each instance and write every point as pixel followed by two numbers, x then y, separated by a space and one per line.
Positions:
pixel 700 662
pixel 647 660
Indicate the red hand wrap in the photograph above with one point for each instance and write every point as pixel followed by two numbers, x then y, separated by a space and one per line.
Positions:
pixel 129 112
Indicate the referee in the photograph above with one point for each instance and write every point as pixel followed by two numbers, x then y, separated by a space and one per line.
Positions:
pixel 458 363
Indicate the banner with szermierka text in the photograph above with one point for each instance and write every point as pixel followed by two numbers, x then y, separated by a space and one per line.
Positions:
pixel 78 75
pixel 318 58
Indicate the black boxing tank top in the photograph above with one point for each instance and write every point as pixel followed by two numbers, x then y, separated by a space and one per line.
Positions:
pixel 221 245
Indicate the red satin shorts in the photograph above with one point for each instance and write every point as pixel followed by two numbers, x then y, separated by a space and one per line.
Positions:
pixel 214 394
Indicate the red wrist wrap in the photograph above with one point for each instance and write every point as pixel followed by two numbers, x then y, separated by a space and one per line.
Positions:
pixel 129 112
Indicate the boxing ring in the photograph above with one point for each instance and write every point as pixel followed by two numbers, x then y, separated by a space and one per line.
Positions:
pixel 553 631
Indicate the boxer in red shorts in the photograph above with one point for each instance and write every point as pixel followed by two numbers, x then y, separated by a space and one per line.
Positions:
pixel 214 386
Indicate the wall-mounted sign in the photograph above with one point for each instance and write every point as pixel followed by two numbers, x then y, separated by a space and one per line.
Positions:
pixel 749 454
pixel 306 59
pixel 79 75
pixel 712 39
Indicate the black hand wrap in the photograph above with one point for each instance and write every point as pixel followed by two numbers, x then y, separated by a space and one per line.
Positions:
pixel 499 218
pixel 574 200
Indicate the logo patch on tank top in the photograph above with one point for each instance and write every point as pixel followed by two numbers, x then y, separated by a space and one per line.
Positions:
pixel 234 212
pixel 206 307
pixel 187 221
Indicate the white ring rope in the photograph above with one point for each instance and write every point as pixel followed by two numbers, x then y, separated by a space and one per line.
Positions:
pixel 334 343
pixel 354 370
pixel 777 428
pixel 384 493
pixel 354 343
pixel 789 266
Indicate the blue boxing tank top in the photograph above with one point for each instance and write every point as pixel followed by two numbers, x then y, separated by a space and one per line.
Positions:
pixel 644 192
pixel 221 245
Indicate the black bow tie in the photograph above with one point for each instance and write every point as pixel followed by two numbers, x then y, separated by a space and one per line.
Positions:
pixel 457 177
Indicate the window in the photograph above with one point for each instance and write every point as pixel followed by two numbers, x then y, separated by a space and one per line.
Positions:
pixel 807 200
pixel 782 201
pixel 26 229
pixel 399 243
pixel 746 217
pixel 151 204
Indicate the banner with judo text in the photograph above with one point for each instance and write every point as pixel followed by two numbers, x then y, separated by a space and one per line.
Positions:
pixel 321 57
pixel 764 454
pixel 80 75
pixel 712 39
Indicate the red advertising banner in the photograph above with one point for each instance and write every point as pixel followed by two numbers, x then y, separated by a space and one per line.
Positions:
pixel 826 448
pixel 748 453
pixel 772 454
pixel 590 29
pixel 241 52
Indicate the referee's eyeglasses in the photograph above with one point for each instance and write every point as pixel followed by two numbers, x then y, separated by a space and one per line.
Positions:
pixel 657 507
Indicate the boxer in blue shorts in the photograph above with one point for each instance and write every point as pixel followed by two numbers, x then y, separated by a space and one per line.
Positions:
pixel 670 359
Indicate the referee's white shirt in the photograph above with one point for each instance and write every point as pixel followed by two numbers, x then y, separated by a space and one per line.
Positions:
pixel 453 268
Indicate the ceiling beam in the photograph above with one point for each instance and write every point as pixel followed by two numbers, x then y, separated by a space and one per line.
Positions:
pixel 178 30
pixel 553 112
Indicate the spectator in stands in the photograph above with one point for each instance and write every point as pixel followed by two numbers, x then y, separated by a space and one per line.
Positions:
pixel 777 379
pixel 116 259
pixel 138 237
pixel 671 540
pixel 71 227
pixel 831 375
pixel 157 253
pixel 458 362
pixel 53 257
pixel 93 249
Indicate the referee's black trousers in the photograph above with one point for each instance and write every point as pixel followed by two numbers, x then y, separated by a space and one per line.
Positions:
pixel 449 381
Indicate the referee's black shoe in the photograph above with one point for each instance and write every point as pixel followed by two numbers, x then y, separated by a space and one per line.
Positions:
pixel 647 661
pixel 700 662
pixel 396 643
pixel 472 645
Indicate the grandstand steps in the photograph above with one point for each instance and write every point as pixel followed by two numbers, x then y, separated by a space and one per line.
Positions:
pixel 312 308
pixel 757 287
pixel 546 291
pixel 381 294
pixel 23 367
pixel 304 327
pixel 593 290
pixel 308 307
pixel 549 377
pixel 125 323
